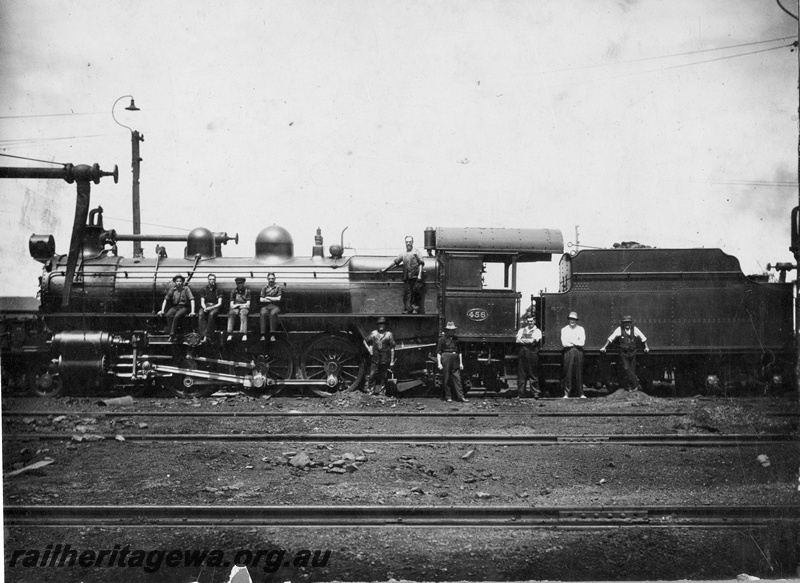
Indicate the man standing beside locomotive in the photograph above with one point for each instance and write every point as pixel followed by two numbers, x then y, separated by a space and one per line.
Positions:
pixel 413 264
pixel 271 297
pixel 529 338
pixel 626 335
pixel 210 303
pixel 240 305
pixel 449 359
pixel 180 298
pixel 573 338
pixel 380 344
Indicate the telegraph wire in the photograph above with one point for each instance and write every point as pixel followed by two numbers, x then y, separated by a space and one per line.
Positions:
pixel 669 56
pixel 785 184
pixel 50 115
pixel 18 141
pixel 677 66
pixel 33 159
pixel 148 224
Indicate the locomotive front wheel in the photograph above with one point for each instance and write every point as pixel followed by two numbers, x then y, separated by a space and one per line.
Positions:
pixel 45 384
pixel 276 364
pixel 335 360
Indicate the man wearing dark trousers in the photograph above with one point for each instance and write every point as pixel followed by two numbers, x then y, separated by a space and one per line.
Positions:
pixel 573 338
pixel 179 298
pixel 628 336
pixel 413 264
pixel 529 338
pixel 451 363
pixel 380 344
pixel 210 304
pixel 270 307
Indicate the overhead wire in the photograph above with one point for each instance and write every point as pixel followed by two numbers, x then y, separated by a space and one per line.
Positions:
pixel 787 184
pixel 672 55
pixel 16 141
pixel 679 66
pixel 50 114
pixel 33 159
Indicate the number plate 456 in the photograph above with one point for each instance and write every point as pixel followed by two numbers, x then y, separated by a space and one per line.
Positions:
pixel 477 314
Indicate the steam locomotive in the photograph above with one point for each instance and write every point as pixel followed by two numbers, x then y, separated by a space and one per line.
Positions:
pixel 709 326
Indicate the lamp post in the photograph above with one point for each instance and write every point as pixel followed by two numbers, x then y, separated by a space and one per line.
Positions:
pixel 136 137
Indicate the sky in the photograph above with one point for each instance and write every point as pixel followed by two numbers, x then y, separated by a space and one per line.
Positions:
pixel 668 122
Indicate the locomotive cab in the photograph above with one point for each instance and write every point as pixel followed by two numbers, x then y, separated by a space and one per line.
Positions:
pixel 478 277
pixel 478 271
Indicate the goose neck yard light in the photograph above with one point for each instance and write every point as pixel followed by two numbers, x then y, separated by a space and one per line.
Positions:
pixel 136 137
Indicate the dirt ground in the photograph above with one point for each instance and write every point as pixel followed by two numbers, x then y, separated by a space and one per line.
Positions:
pixel 115 470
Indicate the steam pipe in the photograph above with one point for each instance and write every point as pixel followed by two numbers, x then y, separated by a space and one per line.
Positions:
pixel 68 172
pixel 219 238
pixel 140 237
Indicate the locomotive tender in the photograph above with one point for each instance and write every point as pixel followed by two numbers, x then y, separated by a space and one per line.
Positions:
pixel 709 326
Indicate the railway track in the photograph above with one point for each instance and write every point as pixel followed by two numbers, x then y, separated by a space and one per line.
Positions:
pixel 414 414
pixel 683 440
pixel 572 517
pixel 295 413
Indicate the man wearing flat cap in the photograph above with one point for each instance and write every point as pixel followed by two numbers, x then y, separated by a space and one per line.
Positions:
pixel 239 306
pixel 573 338
pixel 451 363
pixel 380 344
pixel 628 336
pixel 179 298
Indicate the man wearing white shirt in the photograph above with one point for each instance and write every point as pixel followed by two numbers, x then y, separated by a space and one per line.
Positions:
pixel 573 337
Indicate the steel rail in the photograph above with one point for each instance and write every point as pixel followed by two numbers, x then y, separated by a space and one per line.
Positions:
pixel 336 414
pixel 402 516
pixel 684 440
pixel 295 413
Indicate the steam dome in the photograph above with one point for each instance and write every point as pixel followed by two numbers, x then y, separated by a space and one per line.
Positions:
pixel 274 243
pixel 200 241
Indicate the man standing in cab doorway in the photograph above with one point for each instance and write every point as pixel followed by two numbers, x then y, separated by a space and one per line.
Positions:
pixel 413 264
pixel 573 338
pixel 627 336
pixel 529 339
pixel 380 344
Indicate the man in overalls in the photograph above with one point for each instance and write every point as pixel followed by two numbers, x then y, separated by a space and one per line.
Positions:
pixel 380 344
pixel 627 335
